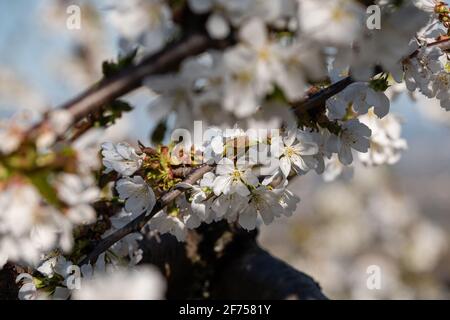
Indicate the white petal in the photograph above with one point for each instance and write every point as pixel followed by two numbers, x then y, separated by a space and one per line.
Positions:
pixel 247 218
pixel 222 184
pixel 290 137
pixel 240 188
pixel 285 165
pixel 207 180
pixel 267 214
pixel 379 101
pixel 200 6
pixel 254 33
pixel 345 155
pixel 225 167
pixel 249 178
pixel 217 144
pixel 217 27
pixel 221 205
pixel 307 148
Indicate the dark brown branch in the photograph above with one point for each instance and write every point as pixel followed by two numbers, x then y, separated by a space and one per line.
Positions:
pixel 444 44
pixel 262 276
pixel 131 78
pixel 141 220
pixel 222 261
pixel 319 98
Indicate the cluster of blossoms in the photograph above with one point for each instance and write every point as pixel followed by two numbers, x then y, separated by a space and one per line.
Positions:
pixel 233 191
pixel 281 52
pixel 44 195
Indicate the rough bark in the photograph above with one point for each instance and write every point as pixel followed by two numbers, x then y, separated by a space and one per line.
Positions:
pixel 220 261
pixel 8 287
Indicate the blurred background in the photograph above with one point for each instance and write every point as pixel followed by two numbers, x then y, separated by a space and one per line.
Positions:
pixel 396 217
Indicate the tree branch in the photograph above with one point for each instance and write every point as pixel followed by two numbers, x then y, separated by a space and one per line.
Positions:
pixel 223 261
pixel 131 78
pixel 262 276
pixel 319 98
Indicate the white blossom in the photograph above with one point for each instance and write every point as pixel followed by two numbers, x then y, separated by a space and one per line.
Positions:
pixel 29 228
pixel 386 143
pixel 79 193
pixel 138 195
pixel 388 46
pixel 228 206
pixel 121 158
pixel 140 283
pixel 354 135
pixel 300 155
pixel 427 5
pixel 268 204
pixel 337 22
pixel 441 86
pixel 12 132
pixel 233 177
pixel 55 265
pixel 201 200
pixel 333 168
pixel 144 22
pixel 167 223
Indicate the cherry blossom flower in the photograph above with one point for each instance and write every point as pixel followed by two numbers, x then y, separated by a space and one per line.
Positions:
pixel 337 22
pixel 201 200
pixel 78 192
pixel 354 135
pixel 145 22
pixel 298 156
pixel 121 158
pixel 388 46
pixel 228 206
pixel 166 223
pixel 427 5
pixel 138 195
pixel 233 178
pixel 386 143
pixel 441 86
pixel 268 204
pixel 333 169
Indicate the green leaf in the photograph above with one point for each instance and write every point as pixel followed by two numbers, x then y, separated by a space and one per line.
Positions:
pixel 113 111
pixel 41 181
pixel 110 68
pixel 277 95
pixel 380 84
pixel 159 132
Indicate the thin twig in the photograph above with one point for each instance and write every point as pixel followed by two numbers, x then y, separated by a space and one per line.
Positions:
pixel 323 95
pixel 444 44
